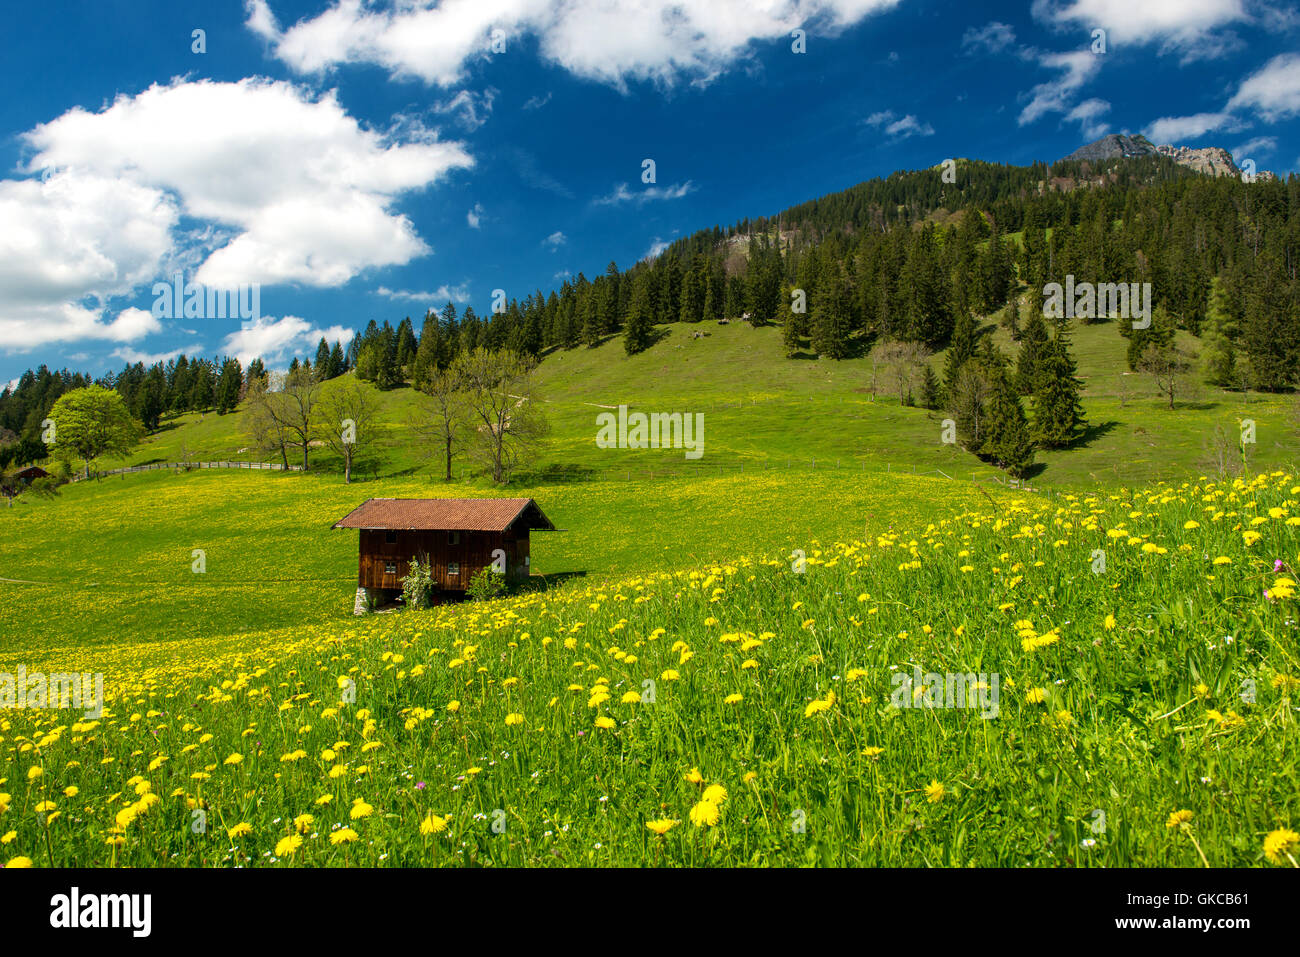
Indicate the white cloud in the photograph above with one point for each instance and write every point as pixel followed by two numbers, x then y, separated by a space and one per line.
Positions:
pixel 1259 146
pixel 1274 91
pixel 1088 115
pixel 1175 129
pixel 132 356
pixel 656 247
pixel 470 109
pixel 442 294
pixel 273 184
pixel 622 194
pixel 1194 28
pixel 555 240
pixel 1055 96
pixel 993 37
pixel 899 127
pixel 275 339
pixel 475 216
pixel 610 41
pixel 537 102
pixel 305 189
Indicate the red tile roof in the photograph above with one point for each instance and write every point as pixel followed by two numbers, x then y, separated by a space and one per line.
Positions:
pixel 446 514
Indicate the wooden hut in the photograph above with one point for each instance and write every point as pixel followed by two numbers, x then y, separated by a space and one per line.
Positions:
pixel 459 536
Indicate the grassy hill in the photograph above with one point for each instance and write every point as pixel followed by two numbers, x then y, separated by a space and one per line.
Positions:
pixel 765 411
pixel 1120 695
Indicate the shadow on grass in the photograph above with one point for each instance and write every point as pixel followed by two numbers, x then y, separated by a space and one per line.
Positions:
pixel 1094 432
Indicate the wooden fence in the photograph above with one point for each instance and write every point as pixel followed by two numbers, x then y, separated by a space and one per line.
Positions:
pixel 189 466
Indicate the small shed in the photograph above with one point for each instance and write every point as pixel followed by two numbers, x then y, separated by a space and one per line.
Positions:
pixel 30 474
pixel 459 536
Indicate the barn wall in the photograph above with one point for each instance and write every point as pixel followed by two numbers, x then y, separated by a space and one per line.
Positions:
pixel 473 553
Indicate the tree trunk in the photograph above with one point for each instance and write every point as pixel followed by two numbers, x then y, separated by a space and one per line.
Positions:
pixel 448 458
pixel 304 455
pixel 347 469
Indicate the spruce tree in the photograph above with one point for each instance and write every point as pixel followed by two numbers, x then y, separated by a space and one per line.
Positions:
pixel 931 391
pixel 1058 413
pixel 1033 340
pixel 1218 351
pixel 830 316
pixel 960 348
pixel 640 318
pixel 1007 440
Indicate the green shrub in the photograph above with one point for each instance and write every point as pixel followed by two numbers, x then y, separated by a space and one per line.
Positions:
pixel 417 586
pixel 486 584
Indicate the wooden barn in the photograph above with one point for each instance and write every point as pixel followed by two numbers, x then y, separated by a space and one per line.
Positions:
pixel 458 535
pixel 30 474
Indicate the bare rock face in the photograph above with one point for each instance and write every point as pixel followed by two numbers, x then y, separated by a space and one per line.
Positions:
pixel 1210 160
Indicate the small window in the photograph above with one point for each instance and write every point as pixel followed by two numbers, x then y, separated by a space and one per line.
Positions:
pixel 453 538
pixel 390 568
pixel 453 568
pixel 390 538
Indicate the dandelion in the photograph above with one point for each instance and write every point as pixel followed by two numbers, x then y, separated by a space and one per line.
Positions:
pixel 662 827
pixel 704 814
pixel 1278 844
pixel 715 793
pixel 1178 818
pixel 344 836
pixel 433 824
pixel 241 829
pixel 286 846
pixel 934 792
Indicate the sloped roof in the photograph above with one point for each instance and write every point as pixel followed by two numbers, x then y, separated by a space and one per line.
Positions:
pixel 446 514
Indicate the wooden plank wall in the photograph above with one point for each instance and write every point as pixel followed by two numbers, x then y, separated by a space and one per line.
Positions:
pixel 473 553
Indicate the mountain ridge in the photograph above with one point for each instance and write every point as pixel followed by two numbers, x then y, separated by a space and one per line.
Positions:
pixel 1210 160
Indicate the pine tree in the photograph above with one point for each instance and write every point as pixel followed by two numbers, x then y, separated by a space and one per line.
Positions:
pixel 640 318
pixel 830 316
pixel 1033 340
pixel 1269 331
pixel 1007 440
pixel 1058 413
pixel 322 359
pixel 931 391
pixel 1218 351
pixel 960 348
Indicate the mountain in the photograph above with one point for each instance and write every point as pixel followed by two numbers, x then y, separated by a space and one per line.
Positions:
pixel 1210 160
pixel 1115 146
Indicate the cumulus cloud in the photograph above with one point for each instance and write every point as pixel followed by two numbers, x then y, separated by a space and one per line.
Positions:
pixel 443 293
pixel 1274 91
pixel 1258 146
pixel 1076 68
pixel 475 216
pixel 555 240
pixel 132 356
pixel 273 340
pixel 1088 115
pixel 1193 28
pixel 899 127
pixel 274 185
pixel 657 246
pixel 307 190
pixel 640 197
pixel 1174 129
pixel 610 41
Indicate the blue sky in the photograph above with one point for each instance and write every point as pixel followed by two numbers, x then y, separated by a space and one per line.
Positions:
pixel 359 161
